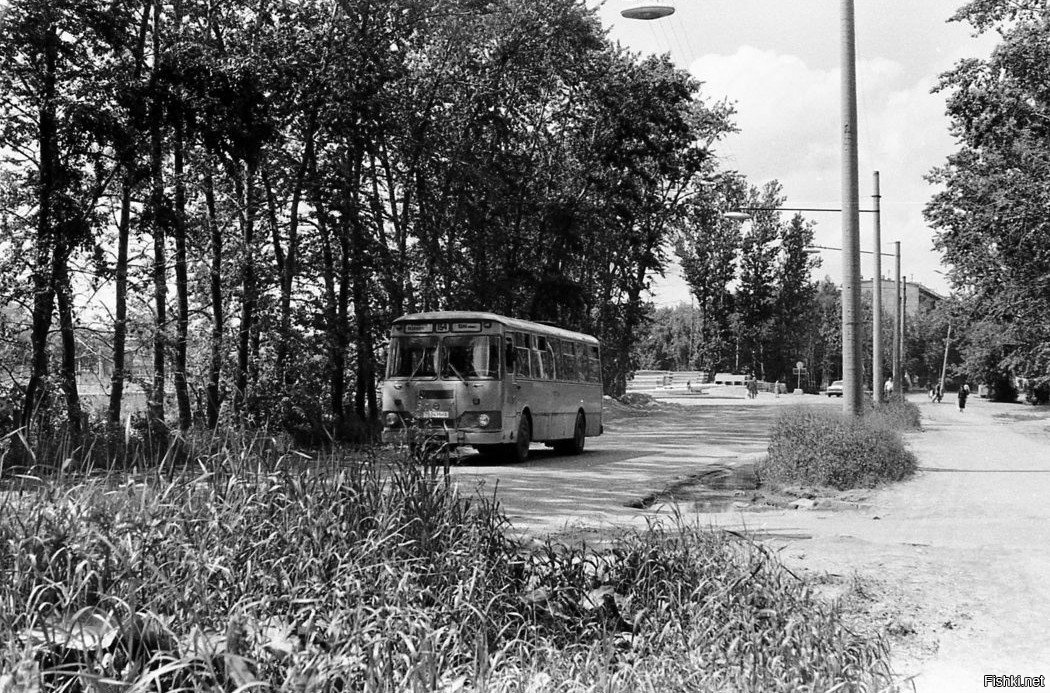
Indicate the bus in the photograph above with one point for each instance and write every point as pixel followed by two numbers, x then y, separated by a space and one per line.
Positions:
pixel 497 384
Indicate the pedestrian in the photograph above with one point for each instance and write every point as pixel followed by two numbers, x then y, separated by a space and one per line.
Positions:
pixel 939 393
pixel 689 385
pixel 888 387
pixel 964 392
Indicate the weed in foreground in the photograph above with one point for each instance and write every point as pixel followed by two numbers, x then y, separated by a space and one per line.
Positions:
pixel 375 575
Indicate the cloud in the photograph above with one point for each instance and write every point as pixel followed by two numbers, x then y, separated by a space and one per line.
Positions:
pixel 789 116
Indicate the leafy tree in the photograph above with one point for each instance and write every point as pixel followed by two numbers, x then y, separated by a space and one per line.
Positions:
pixel 990 215
pixel 54 104
pixel 708 247
pixel 670 340
pixel 795 308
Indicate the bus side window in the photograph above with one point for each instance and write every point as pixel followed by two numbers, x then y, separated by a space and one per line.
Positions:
pixel 568 369
pixel 595 364
pixel 522 359
pixel 547 359
pixel 538 343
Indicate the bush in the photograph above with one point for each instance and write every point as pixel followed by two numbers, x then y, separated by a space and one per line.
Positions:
pixel 815 446
pixel 1037 394
pixel 896 415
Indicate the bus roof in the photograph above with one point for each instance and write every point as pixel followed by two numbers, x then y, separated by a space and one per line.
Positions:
pixel 513 323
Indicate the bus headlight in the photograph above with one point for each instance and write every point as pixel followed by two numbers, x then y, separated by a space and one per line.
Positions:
pixel 489 420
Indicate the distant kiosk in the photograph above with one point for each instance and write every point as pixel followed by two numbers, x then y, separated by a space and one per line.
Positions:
pixel 647 10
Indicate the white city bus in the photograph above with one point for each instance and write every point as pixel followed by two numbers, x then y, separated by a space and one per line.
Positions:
pixel 491 382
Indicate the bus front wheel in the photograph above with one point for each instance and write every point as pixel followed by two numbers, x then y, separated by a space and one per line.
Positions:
pixel 574 445
pixel 518 451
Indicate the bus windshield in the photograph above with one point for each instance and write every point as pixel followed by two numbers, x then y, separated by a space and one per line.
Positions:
pixel 412 357
pixel 470 357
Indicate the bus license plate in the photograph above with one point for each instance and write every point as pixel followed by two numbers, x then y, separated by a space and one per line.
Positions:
pixel 435 414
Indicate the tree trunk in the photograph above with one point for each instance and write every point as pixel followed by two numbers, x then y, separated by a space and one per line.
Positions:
pixel 43 283
pixel 120 326
pixel 248 298
pixel 182 393
pixel 215 365
pixel 336 350
pixel 289 267
pixel 160 282
pixel 64 293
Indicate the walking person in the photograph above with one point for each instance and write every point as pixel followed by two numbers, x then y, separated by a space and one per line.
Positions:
pixel 964 392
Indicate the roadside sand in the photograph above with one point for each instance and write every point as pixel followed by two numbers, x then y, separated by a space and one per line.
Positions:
pixel 953 564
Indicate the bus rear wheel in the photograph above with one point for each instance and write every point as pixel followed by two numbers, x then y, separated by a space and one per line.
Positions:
pixel 518 451
pixel 574 445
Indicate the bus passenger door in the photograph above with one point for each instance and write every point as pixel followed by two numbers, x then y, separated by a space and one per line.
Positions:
pixel 519 381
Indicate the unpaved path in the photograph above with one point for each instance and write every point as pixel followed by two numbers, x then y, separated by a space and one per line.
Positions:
pixel 955 562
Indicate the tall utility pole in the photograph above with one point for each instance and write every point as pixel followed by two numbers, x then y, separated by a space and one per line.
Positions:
pixel 944 363
pixel 901 326
pixel 876 298
pixel 852 372
pixel 897 337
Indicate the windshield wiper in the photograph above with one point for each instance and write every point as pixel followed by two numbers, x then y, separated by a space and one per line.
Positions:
pixel 418 366
pixel 458 374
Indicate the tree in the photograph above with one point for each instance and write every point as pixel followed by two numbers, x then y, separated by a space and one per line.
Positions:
pixel 795 307
pixel 990 215
pixel 53 54
pixel 708 246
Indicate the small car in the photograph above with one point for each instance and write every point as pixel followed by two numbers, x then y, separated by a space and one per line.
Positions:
pixel 834 389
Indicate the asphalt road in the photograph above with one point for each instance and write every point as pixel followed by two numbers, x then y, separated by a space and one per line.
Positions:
pixel 640 454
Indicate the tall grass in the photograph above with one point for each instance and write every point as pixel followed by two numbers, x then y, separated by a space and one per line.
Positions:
pixel 247 565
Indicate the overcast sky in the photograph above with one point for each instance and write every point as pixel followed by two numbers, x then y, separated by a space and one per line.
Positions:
pixel 778 61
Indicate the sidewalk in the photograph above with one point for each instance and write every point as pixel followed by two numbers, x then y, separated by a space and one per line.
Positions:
pixel 963 547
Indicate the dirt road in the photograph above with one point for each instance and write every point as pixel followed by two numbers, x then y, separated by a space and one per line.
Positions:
pixel 954 564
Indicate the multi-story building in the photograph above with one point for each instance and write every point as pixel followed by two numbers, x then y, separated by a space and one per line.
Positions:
pixel 917 297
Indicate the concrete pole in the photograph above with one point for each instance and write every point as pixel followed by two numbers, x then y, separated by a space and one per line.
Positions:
pixel 897 320
pixel 876 298
pixel 904 341
pixel 944 363
pixel 852 371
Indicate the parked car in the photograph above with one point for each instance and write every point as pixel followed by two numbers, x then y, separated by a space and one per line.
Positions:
pixel 834 389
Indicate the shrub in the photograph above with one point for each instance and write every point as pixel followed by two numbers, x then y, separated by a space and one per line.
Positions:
pixel 896 415
pixel 1037 394
pixel 824 448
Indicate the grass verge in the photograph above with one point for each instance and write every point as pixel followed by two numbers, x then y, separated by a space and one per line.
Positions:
pixel 815 446
pixel 363 575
